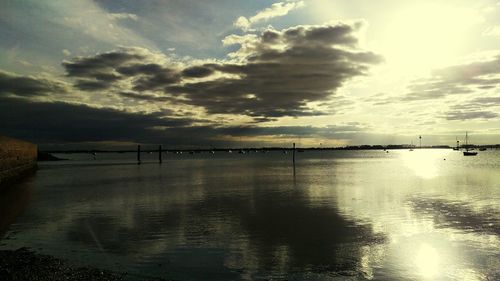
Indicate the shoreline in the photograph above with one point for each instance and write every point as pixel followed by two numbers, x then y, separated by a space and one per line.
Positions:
pixel 25 264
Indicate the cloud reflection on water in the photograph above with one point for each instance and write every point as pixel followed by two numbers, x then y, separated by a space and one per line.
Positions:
pixel 457 215
pixel 268 230
pixel 366 216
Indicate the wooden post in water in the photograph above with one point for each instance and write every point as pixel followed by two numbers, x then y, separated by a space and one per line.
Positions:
pixel 159 154
pixel 138 154
pixel 293 159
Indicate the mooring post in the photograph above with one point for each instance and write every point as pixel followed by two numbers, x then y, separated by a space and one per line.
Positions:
pixel 159 154
pixel 294 154
pixel 138 154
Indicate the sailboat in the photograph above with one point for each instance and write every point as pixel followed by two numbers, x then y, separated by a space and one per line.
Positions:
pixel 467 152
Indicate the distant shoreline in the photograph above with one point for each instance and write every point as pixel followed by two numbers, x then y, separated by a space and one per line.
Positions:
pixel 260 149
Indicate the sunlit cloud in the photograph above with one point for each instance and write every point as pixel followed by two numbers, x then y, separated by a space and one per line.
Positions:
pixel 278 9
pixel 277 73
pixel 458 79
pixel 123 16
pixel 289 64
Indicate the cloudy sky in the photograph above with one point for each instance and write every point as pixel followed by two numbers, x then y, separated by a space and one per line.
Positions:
pixel 190 73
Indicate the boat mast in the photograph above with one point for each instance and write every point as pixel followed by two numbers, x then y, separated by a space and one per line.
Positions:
pixel 466 143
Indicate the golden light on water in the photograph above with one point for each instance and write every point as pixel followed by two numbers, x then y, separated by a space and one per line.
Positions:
pixel 427 261
pixel 424 163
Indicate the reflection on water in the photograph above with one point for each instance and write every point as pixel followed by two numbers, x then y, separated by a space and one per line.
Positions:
pixel 340 214
pixel 427 261
pixel 425 163
pixel 457 215
pixel 13 201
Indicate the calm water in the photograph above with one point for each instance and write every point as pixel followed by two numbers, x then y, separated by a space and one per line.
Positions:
pixel 342 215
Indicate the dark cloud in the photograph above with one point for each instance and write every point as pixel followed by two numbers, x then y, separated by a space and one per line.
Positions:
pixel 135 69
pixel 197 71
pixel 430 91
pixel 59 122
pixel 469 115
pixel 311 63
pixel 45 122
pixel 150 76
pixel 487 101
pixel 102 71
pixel 279 73
pixel 270 36
pixel 341 34
pixel 475 73
pixel 478 108
pixel 156 81
pixel 458 79
pixel 62 122
pixel 26 86
pixel 380 99
pixel 102 63
pixel 91 85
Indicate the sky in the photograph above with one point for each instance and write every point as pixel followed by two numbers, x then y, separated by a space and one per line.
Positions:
pixel 186 73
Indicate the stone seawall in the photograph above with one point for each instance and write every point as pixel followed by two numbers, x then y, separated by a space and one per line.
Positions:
pixel 16 158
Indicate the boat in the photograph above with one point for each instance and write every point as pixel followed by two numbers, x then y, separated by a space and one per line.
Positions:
pixel 482 149
pixel 467 152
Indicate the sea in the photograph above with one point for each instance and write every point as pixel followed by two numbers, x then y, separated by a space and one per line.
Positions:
pixel 427 214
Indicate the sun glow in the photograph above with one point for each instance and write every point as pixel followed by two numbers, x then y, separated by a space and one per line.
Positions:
pixel 418 38
pixel 427 261
pixel 424 163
